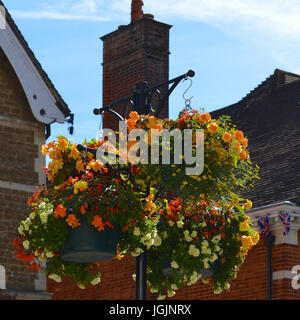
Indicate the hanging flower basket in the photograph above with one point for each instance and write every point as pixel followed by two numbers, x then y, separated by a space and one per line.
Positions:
pixel 91 211
pixel 85 244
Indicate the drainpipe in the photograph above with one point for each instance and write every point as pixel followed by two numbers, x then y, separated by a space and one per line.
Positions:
pixel 269 241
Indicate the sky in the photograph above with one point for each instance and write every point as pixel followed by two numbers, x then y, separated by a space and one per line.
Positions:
pixel 232 45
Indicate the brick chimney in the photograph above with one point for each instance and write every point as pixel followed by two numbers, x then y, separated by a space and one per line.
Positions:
pixel 132 54
pixel 136 10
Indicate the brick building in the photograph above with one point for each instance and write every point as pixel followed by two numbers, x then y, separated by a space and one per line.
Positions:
pixel 269 116
pixel 29 103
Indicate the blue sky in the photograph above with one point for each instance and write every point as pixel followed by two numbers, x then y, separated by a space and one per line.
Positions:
pixel 232 45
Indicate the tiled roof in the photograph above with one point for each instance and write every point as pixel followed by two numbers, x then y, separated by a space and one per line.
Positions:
pixel 270 118
pixel 61 104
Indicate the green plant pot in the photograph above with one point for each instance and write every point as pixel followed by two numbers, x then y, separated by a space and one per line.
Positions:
pixel 206 273
pixel 85 244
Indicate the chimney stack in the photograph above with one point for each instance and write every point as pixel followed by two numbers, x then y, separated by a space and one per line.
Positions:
pixel 132 54
pixel 136 10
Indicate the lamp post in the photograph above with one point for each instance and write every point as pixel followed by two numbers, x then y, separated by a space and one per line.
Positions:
pixel 141 103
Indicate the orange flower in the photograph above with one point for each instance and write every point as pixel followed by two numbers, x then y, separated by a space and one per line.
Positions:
pixel 134 116
pixel 63 144
pixel 152 121
pixel 131 124
pixel 72 221
pixel 45 150
pixel 244 155
pixel 79 165
pixel 213 128
pixel 70 197
pixel 60 211
pixel 239 136
pixel 205 117
pixel 71 180
pixel 245 143
pixel 157 126
pixel 227 137
pixel 97 165
pixel 83 208
pixel 98 223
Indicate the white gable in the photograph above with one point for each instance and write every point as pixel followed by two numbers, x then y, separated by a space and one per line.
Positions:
pixel 2 278
pixel 40 99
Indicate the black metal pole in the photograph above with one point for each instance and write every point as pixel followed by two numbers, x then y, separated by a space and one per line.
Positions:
pixel 269 241
pixel 141 276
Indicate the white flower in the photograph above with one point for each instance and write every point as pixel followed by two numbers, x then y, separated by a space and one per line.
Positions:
pixel 26 224
pixel 206 250
pixel 204 243
pixel 174 265
pixel 81 285
pixel 193 251
pixel 213 258
pixel 55 277
pixel 44 217
pixel 21 229
pixel 161 297
pixel 134 277
pixel 154 234
pixel 216 239
pixel 137 252
pixel 32 215
pixel 173 286
pixel 146 237
pixel 150 243
pixel 194 234
pixel 180 224
pixel 136 231
pixel 42 205
pixel 171 293
pixel 157 241
pixel 96 281
pixel 217 248
pixel 26 244
pixel 153 290
pixel 49 254
pixel 186 233
pixel 206 264
pixel 194 278
pixel 196 252
pixel 187 236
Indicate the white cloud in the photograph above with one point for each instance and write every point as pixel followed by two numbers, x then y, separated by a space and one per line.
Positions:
pixel 66 10
pixel 271 25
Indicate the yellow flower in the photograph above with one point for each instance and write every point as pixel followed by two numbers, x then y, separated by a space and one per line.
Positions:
pixel 248 205
pixel 255 238
pixel 80 186
pixel 244 226
pixel 74 152
pixel 247 243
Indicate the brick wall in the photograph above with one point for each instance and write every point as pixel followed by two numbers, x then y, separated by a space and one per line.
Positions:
pixel 250 284
pixel 134 53
pixel 20 171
